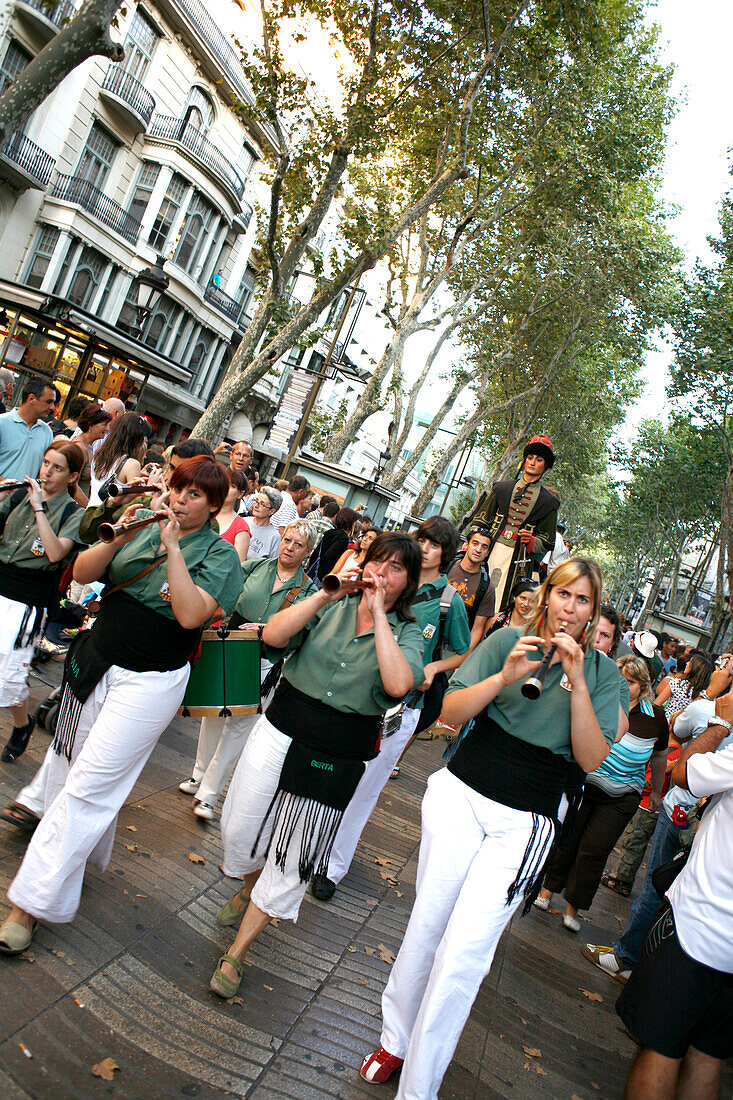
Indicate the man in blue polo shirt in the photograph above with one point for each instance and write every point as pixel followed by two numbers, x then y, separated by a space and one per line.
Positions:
pixel 24 435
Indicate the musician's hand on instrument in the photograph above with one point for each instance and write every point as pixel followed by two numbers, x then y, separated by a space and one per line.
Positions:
pixel 523 660
pixel 250 626
pixel 6 493
pixel 130 513
pixel 375 594
pixel 34 493
pixel 348 574
pixel 571 654
pixel 170 529
pixel 526 538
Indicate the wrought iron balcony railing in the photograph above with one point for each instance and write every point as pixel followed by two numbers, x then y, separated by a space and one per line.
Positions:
pixel 56 13
pixel 128 88
pixel 199 149
pixel 223 302
pixel 219 45
pixel 26 154
pixel 81 192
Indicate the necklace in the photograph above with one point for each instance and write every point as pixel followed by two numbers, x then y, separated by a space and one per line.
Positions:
pixel 282 579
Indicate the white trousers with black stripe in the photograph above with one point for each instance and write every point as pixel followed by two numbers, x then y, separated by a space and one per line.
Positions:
pixel 470 852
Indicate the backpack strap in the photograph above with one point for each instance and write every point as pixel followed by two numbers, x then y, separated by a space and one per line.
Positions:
pixel 448 595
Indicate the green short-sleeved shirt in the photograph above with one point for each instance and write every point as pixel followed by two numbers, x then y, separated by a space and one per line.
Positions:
pixel 21 542
pixel 212 562
pixel 546 721
pixel 258 602
pixel 625 695
pixel 457 633
pixel 331 664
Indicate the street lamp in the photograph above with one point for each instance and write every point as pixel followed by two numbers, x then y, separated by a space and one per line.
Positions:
pixel 149 284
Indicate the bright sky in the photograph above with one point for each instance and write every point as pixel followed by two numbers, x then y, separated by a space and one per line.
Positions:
pixel 696 40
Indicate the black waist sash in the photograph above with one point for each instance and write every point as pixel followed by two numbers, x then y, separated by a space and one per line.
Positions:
pixel 319 776
pixel 525 777
pixel 36 587
pixel 318 726
pixel 126 633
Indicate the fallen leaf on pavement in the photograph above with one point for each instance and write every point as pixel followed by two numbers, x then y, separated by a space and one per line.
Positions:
pixel 370 951
pixel 352 949
pixel 554 910
pixel 593 1085
pixel 385 954
pixel 590 996
pixel 105 1069
pixel 58 954
pixel 523 1020
pixel 235 1001
pixel 538 1069
pixel 28 958
pixel 275 922
pixel 532 1052
pixel 193 858
pixel 131 847
pixel 399 895
pixel 383 862
pixel 388 876
pixel 131 828
pixel 362 981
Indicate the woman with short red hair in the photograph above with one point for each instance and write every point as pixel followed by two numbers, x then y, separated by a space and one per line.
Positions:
pixel 123 682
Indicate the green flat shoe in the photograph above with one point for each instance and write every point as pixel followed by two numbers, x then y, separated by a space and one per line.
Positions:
pixel 15 938
pixel 221 984
pixel 228 915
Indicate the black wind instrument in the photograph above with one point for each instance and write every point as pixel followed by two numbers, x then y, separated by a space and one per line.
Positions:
pixel 532 688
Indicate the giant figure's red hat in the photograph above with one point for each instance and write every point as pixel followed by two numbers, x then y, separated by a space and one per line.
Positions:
pixel 541 445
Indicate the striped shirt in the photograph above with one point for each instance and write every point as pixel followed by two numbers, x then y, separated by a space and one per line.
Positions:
pixel 624 768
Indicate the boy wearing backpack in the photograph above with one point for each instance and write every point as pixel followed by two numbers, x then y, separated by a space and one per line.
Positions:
pixel 442 617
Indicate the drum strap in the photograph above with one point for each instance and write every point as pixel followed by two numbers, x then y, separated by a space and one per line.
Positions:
pixel 272 677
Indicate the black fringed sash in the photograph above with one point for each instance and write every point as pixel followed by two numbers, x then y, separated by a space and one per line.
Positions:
pixel 525 777
pixel 126 633
pixel 37 589
pixel 319 776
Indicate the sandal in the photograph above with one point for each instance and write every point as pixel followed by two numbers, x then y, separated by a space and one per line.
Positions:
pixel 228 915
pixel 20 816
pixel 222 985
pixel 611 883
pixel 16 938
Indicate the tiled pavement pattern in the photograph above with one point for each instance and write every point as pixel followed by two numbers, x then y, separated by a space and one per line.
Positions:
pixel 128 979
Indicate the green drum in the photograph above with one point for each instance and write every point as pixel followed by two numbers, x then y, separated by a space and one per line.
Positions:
pixel 226 678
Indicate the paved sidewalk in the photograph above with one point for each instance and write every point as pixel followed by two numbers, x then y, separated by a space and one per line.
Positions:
pixel 128 979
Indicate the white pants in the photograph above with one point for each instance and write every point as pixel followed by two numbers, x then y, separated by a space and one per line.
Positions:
pixel 250 793
pixel 470 852
pixel 33 797
pixel 119 726
pixel 15 663
pixel 366 795
pixel 220 744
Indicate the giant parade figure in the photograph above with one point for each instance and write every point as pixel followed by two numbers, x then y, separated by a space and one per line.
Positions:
pixel 519 516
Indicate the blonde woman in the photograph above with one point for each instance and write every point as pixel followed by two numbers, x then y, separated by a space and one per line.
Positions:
pixel 490 818
pixel 611 798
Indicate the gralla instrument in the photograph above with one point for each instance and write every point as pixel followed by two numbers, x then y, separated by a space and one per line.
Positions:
pixel 532 688
pixel 108 532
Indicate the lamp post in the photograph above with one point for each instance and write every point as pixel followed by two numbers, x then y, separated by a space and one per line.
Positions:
pixel 384 457
pixel 149 284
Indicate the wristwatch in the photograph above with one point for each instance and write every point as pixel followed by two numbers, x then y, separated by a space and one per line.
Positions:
pixel 715 721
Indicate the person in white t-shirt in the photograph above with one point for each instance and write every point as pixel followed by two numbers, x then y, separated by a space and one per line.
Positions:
pixel 296 491
pixel 265 537
pixel 678 1003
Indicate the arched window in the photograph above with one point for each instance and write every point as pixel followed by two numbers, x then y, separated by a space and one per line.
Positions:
pixel 199 110
pixel 86 277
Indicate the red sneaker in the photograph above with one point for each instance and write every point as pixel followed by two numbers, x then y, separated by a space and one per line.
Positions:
pixel 379 1066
